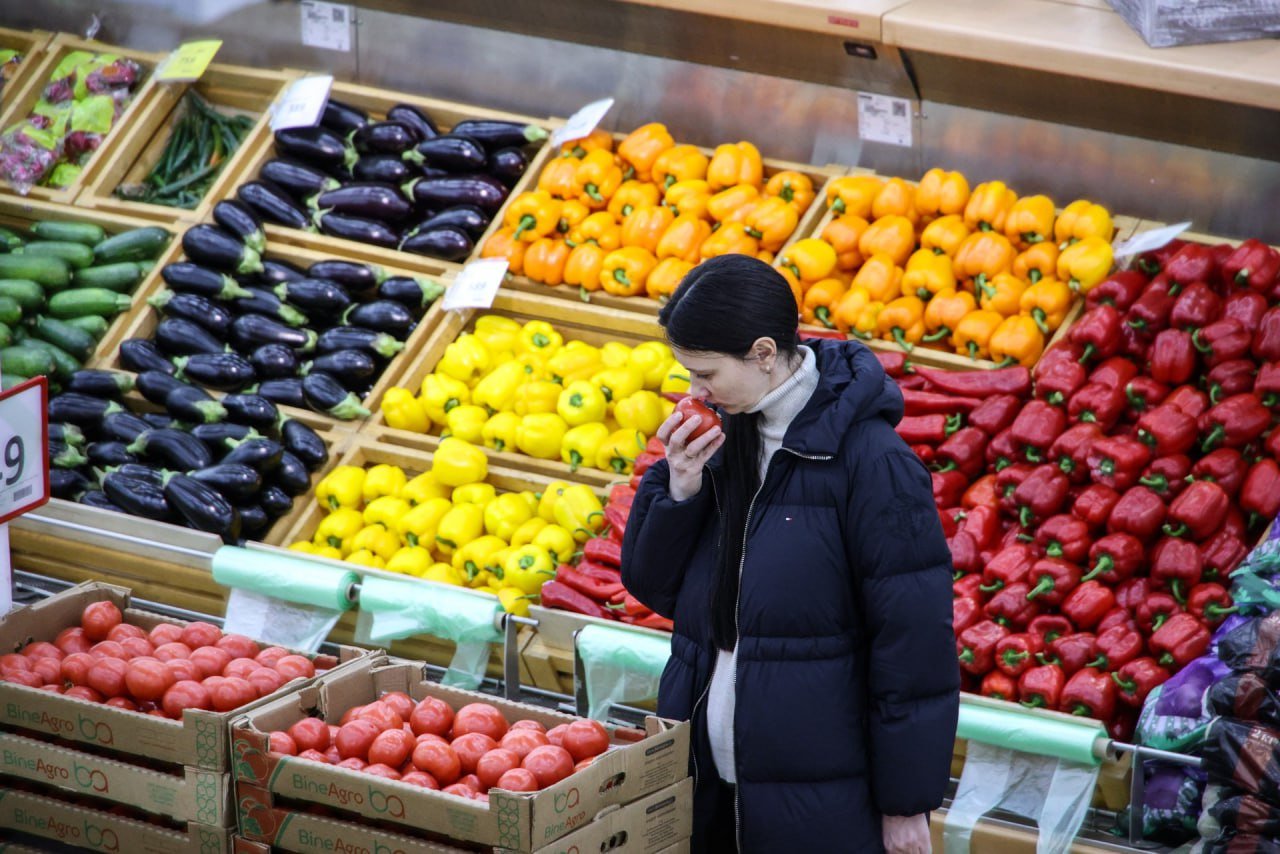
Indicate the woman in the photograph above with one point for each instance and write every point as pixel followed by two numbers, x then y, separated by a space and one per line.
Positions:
pixel 800 555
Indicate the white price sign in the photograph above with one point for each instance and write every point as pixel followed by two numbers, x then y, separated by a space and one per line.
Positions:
pixel 302 103
pixel 581 123
pixel 476 285
pixel 326 25
pixel 24 436
pixel 1149 241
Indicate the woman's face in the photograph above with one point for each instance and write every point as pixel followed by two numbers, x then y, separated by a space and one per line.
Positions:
pixel 731 383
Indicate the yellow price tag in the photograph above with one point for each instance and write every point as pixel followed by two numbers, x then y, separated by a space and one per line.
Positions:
pixel 188 62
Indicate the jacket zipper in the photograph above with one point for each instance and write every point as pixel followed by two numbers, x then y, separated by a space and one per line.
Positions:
pixel 693 713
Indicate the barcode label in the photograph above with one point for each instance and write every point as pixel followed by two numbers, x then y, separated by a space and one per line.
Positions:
pixel 326 25
pixel 23 492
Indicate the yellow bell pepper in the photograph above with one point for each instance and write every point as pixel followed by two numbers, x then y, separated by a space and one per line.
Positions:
pixel 666 277
pixel 641 410
pixel 771 222
pixel 730 239
pixel 643 146
pixel 532 215
pixel 337 529
pixel 469 559
pixel 537 396
pixel 496 390
pixel 466 422
pixel 513 601
pixel 982 256
pixel 676 380
pixel 597 178
pixel 1081 219
pixel 465 359
pixel 499 432
pixel 327 552
pixel 505 514
pixel 1030 221
pixel 989 206
pixel 545 261
pixel 365 557
pixel 443 573
pixel 689 198
pixel 440 393
pixel 1002 294
pixel 849 308
pixel 601 228
pixel 422 489
pixel 582 267
pixel 893 235
pixel 596 140
pixel 540 435
pixel 385 511
pixel 868 319
pixel 618 452
pixel 819 303
pixel 902 321
pixel 1047 303
pixel 631 195
pixel 382 480
pixel 581 403
pixel 650 358
pixel 735 163
pixel 419 526
pixel 972 335
pixel 550 495
pixel 927 274
pixel 538 336
pixel 526 567
pixel 794 188
pixel 456 463
pixel 474 493
pixel 615 354
pixel 942 193
pixel 579 512
pixel 342 487
pixel 1039 261
pixel 572 212
pixel 410 560
pixel 896 198
pixel 557 177
pixel 683 238
pixel 1017 340
pixel 618 383
pixel 853 194
pixel 1085 263
pixel 809 260
pixel 534 364
pixel 462 524
pixel 403 411
pixel 679 163
pixel 944 312
pixel 376 539
pixel 843 234
pixel 582 443
pixel 881 278
pixel 526 532
pixel 557 540
pixel 944 235
pixel 303 546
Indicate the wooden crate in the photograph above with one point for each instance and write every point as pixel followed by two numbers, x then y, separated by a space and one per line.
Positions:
pixel 20 102
pixel 32 45
pixel 591 323
pixel 130 155
pixel 376 102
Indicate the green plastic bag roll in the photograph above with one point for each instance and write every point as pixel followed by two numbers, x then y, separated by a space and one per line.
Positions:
pixel 620 666
pixel 1030 733
pixel 293 579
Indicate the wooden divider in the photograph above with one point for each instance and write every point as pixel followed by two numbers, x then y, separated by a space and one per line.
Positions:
pixel 32 44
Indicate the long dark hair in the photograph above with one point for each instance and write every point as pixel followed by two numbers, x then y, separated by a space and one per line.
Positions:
pixel 723 306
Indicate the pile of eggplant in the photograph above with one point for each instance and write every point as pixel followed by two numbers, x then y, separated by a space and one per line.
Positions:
pixel 398 183
pixel 229 466
pixel 234 321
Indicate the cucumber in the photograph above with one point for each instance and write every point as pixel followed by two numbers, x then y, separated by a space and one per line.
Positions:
pixel 64 364
pixel 94 324
pixel 9 240
pixel 25 292
pixel 74 340
pixel 6 335
pixel 27 361
pixel 75 232
pixel 76 254
pixel 48 271
pixel 8 381
pixel 139 244
pixel 82 301
pixel 121 277
pixel 10 311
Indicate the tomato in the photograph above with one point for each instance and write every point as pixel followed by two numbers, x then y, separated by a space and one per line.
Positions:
pixel 331 755
pixel 200 634
pixel 460 790
pixel 583 764
pixel 240 667
pixel 187 694
pixel 429 736
pixel 521 741
pixel 400 702
pixel 420 778
pixel 269 656
pixel 295 667
pixel 210 660
pixel 355 738
pixel 52 688
pixel 282 742
pixel 689 407
pixel 555 735
pixel 165 633
pixel 22 677
pixel 231 693
pixel 123 703
pixel 182 670
pixel 42 649
pixel 382 715
pixel 71 640
pixel 550 764
pixel 310 734
pixel 106 676
pixel 239 646
pixel 147 679
pixel 48 669
pixel 14 662
pixel 108 649
pixel 379 770
pixel 166 651
pixel 525 723
pixel 350 714
pixel 75 668
pixel 355 763
pixel 265 681
pixel 84 692
pixel 517 780
pixel 431 715
pixel 439 760
pixel 314 756
pixel 585 739
pixel 138 648
pixel 392 747
pixel 99 618
pixel 480 717
pixel 119 632
pixel 494 764
pixel 470 747
pixel 333 731
pixel 471 781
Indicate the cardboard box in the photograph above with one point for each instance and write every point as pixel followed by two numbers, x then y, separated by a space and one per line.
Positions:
pixel 652 825
pixel 635 766
pixel 78 827
pixel 199 740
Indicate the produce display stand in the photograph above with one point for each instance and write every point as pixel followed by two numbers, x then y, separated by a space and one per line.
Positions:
pixel 130 155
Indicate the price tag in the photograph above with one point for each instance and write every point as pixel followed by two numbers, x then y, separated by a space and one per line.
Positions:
pixel 188 62
pixel 582 123
pixel 1149 241
pixel 882 118
pixel 24 434
pixel 326 25
pixel 476 285
pixel 302 103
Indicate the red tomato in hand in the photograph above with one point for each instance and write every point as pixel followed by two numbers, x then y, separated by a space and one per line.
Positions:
pixel 518 780
pixel 121 631
pixel 431 715
pixel 392 747
pixel 200 634
pixel 185 695
pixel 295 667
pixel 43 649
pixel 310 734
pixel 400 702
pixel 470 747
pixel 148 679
pixel 355 739
pixel 99 618
pixel 439 760
pixel 689 407
pixel 106 676
pixel 522 740
pixel 165 633
pixel 72 639
pixel 239 646
pixel 585 739
pixel 281 742
pixel 549 764
pixel 494 764
pixel 210 660
pixel 480 717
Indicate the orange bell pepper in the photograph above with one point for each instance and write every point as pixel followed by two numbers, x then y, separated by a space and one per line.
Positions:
pixel 983 255
pixel 583 266
pixel 533 215
pixel 896 198
pixel 600 228
pixel 679 163
pixel 902 321
pixel 631 195
pixel 944 235
pixel 503 244
pixel 881 277
pixel 972 335
pixel 989 206
pixel 726 203
pixel 943 313
pixel 598 140
pixel 771 222
pixel 597 178
pixel 735 163
pixel 1038 261
pixel 666 277
pixel 843 233
pixel 645 226
pixel 1030 221
pixel 849 308
pixel 557 177
pixel 927 274
pixel 766 256
pixel 853 194
pixel 729 239
pixel 797 289
pixel 1081 219
pixel 794 188
pixel 544 261
pixel 1047 303
pixel 625 270
pixel 868 320
pixel 892 235
pixel 642 147
pixel 1002 293
pixel 572 212
pixel 810 259
pixel 689 197
pixel 683 238
pixel 942 193
pixel 820 301
pixel 1017 340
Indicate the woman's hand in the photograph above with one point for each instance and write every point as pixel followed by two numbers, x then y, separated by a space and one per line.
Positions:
pixel 684 457
pixel 906 834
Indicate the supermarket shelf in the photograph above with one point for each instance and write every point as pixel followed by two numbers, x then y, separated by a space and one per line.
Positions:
pixel 860 18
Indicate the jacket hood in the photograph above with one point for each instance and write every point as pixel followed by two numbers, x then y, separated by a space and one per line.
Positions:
pixel 852 387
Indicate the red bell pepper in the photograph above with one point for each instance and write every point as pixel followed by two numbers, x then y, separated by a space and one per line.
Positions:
pixel 1235 422
pixel 1133 344
pixel 1042 494
pixel 1116 372
pixel 928 429
pixel 999 686
pixel 1050 627
pixel 948 486
pixel 1097 331
pixel 1072 652
pixel 1231 378
pixel 643 461
pixel 1193 262
pixel 1036 428
pixel 1150 312
pixel 1153 262
pixel 1115 558
pixel 557 594
pixel 616 519
pixel 1123 723
pixel 1153 611
pixel 1098 404
pixel 926 453
pixel 912 382
pixel 1132 593
pixel 1071 450
pixel 895 363
pixel 995 413
pixel 1189 399
pixel 596 588
pixel 651 621
pixel 950 521
pixel 963 452
pixel 968 587
pixel 1118 461
pixel 1064 536
pixel 1226 467
pixel 1167 476
pixel 622 495
pixel 1176 565
pixel 1144 393
pixel 1090 693
pixel 1016 654
pixel 1001 451
pixel 1053 580
pixel 1173 356
pixel 1041 687
pixel 964 553
pixel 1221 341
pixel 655 446
pixel 1234 524
pixel 1014 380
pixel 1272 445
pixel 1117 616
pixel 965 612
pixel 1167 430
pixel 1117 646
pixel 1119 289
pixel 1222 553
pixel 981 493
pixel 1198 305
pixel 1009 566
pixel 1254 265
pixel 1180 640
pixel 599 571
pixel 1139 678
pixel 1139 512
pixel 1198 511
pixel 1266 341
pixel 1059 373
pixel 1245 307
pixel 602 550
pixel 931 403
pixel 1011 607
pixel 1088 604
pixel 976 646
pixel 1094 505
pixel 1260 495
pixel 1008 480
pixel 1210 603
pixel 983 524
pixel 1267 384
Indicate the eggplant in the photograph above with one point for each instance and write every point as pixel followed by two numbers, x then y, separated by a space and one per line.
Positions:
pixel 286 391
pixel 356 228
pixel 508 165
pixel 414 293
pixel 220 371
pixel 189 278
pixel 484 192
pixel 494 134
pixel 275 501
pixel 68 434
pixel 357 278
pixel 469 218
pixel 139 471
pixel 109 384
pixel 352 368
pixel 175 449
pixel 239 219
pixel 380 168
pixel 273 204
pixel 297 178
pixel 137 497
pixel 124 426
pixel 193 405
pixel 277 272
pixel 205 312
pixel 65 456
pixel 387 137
pixel 450 152
pixel 415 118
pixel 103 454
pixel 98 499
pixel 273 361
pixel 304 443
pixel 261 301
pixel 315 296
pixel 291 476
pixel 81 410
pixel 67 484
pixel 159 420
pixel 382 202
pixel 177 337
pixel 251 331
pixel 444 242
pixel 155 386
pixel 356 338
pixel 218 249
pixel 215 435
pixel 235 481
pixel 325 394
pixel 342 118
pixel 142 354
pixel 318 146
pixel 202 507
pixel 262 455
pixel 254 521
pixel 252 410
pixel 381 316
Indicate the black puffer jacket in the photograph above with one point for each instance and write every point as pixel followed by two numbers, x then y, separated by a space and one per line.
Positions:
pixel 847 683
